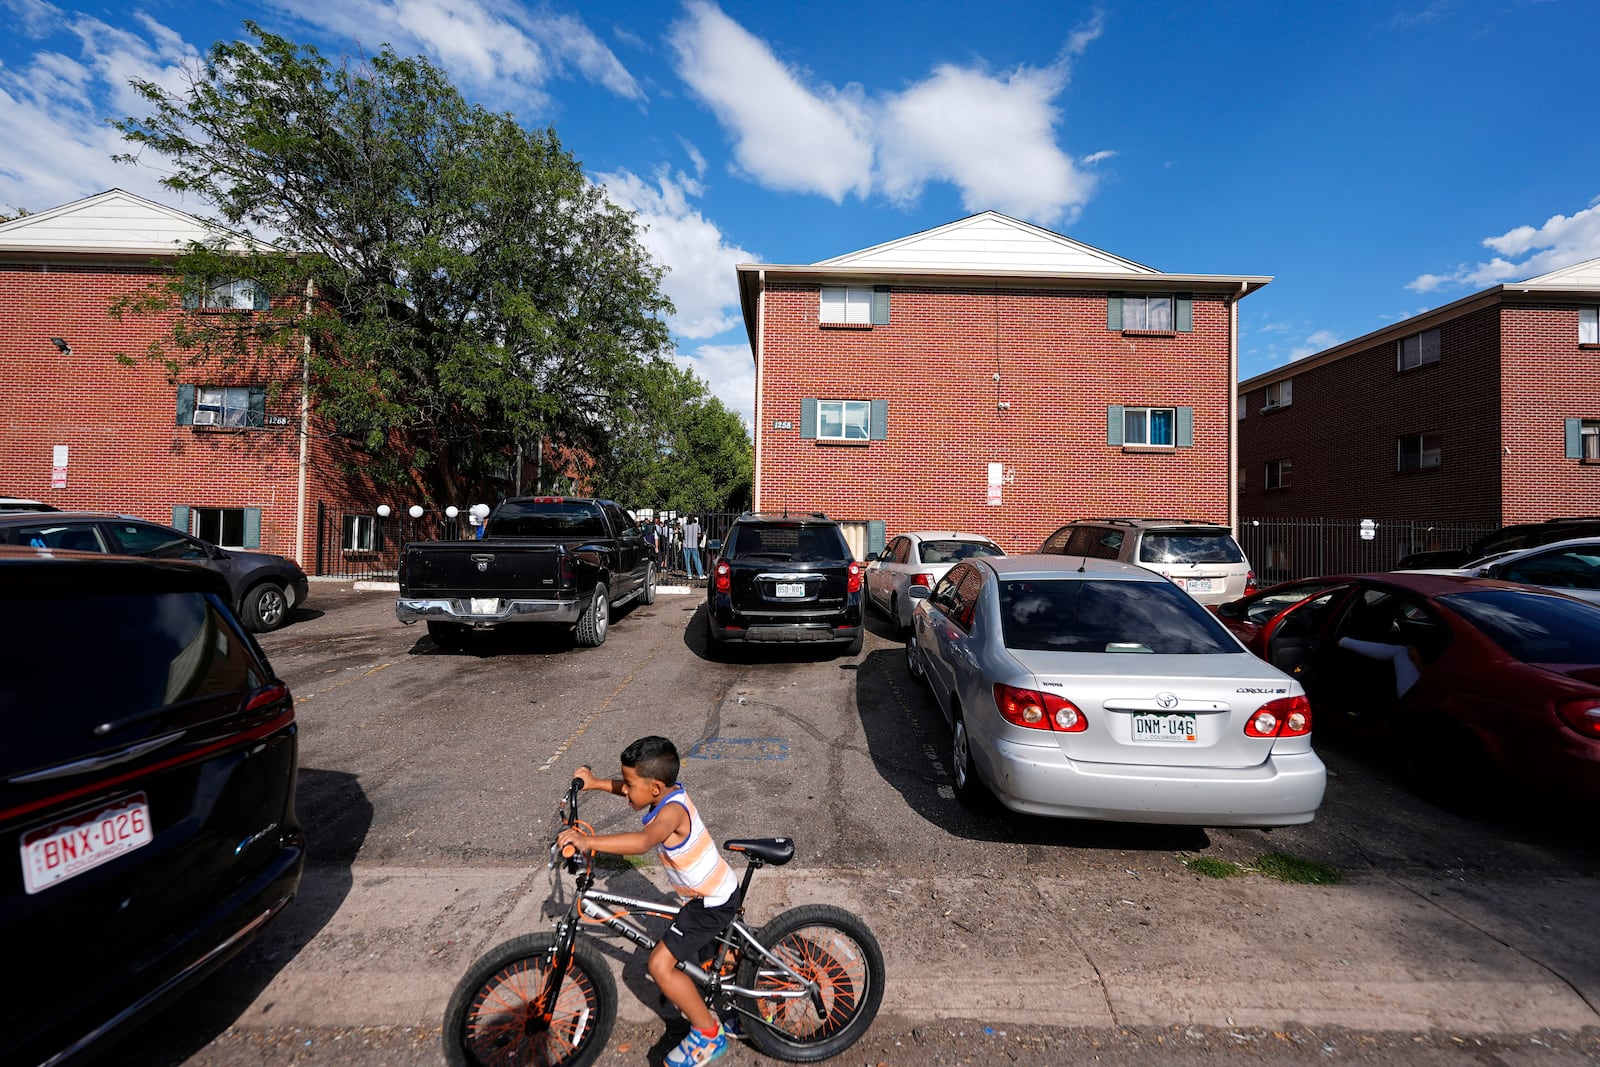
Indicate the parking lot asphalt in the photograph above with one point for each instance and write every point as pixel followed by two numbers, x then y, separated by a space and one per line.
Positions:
pixel 428 781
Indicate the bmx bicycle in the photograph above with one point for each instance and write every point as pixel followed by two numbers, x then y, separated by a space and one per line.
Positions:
pixel 804 987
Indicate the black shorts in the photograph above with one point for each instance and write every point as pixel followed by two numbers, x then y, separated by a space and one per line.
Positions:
pixel 696 927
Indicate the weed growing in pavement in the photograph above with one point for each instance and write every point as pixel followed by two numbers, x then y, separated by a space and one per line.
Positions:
pixel 1287 868
pixel 1210 867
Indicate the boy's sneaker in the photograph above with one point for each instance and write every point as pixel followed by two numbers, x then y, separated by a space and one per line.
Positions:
pixel 696 1049
pixel 732 1027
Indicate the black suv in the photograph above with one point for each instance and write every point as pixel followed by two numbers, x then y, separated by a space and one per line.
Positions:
pixel 264 587
pixel 784 579
pixel 1506 539
pixel 147 781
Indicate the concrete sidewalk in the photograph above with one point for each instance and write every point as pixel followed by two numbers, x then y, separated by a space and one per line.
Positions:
pixel 383 946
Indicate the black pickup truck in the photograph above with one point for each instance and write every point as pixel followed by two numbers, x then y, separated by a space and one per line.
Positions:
pixel 543 559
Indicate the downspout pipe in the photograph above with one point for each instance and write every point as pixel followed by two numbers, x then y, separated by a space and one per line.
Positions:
pixel 761 341
pixel 1233 407
pixel 305 433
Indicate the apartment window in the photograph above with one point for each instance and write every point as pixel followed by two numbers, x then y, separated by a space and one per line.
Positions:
pixel 1418 451
pixel 220 526
pixel 853 421
pixel 1280 473
pixel 1417 349
pixel 1153 312
pixel 360 533
pixel 1589 326
pixel 1583 440
pixel 855 305
pixel 229 294
pixel 222 405
pixel 1159 427
pixel 1279 394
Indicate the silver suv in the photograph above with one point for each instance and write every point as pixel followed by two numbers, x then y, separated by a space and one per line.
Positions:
pixel 1201 558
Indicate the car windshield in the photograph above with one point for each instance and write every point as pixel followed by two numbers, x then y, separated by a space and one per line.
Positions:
pixel 547 519
pixel 1190 546
pixel 956 551
pixel 796 544
pixel 1084 615
pixel 1533 627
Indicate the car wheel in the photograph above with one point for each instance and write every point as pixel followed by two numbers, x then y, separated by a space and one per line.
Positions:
pixel 853 648
pixel 896 627
pixel 969 789
pixel 914 661
pixel 265 607
pixel 450 636
pixel 716 648
pixel 596 618
pixel 649 596
pixel 1447 765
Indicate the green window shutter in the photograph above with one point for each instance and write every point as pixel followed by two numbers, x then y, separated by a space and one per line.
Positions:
pixel 252 527
pixel 1114 417
pixel 1183 437
pixel 1114 314
pixel 880 305
pixel 180 517
pixel 185 405
pixel 808 418
pixel 1184 313
pixel 262 300
pixel 1574 438
pixel 875 531
pixel 880 420
pixel 258 406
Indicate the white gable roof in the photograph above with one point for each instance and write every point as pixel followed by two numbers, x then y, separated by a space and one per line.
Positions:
pixel 989 241
pixel 114 221
pixel 1585 275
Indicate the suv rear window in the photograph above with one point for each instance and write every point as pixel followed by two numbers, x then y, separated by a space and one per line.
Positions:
pixel 1190 546
pixel 1083 615
pixel 547 520
pixel 796 544
pixel 956 551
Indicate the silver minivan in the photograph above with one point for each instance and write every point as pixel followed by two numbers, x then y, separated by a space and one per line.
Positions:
pixel 1201 558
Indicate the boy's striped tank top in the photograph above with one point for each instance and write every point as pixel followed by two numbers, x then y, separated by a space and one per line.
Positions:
pixel 694 867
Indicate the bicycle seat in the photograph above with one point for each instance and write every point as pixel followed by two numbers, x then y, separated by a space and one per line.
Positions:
pixel 774 850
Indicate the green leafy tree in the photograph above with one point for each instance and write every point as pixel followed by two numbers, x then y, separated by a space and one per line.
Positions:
pixel 457 286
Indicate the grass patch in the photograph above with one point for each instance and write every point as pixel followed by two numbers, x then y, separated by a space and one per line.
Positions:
pixel 1287 868
pixel 1211 867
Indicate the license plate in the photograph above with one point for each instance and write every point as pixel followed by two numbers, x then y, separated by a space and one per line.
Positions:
pixel 53 854
pixel 1199 585
pixel 485 605
pixel 790 589
pixel 1178 728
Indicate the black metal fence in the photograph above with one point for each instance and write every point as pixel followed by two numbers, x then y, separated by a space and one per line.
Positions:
pixel 1284 549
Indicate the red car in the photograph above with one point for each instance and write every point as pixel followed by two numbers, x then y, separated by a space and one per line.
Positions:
pixel 1478 683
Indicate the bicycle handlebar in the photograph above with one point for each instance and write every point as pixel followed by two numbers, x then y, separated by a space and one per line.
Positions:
pixel 569 815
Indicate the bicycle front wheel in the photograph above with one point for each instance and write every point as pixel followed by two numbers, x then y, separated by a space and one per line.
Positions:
pixel 496 1016
pixel 827 946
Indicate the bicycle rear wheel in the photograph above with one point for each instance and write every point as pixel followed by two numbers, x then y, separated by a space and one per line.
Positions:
pixel 494 1017
pixel 832 948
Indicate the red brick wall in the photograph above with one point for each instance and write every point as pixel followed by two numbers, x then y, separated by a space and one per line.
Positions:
pixel 934 364
pixel 126 452
pixel 1340 433
pixel 1547 378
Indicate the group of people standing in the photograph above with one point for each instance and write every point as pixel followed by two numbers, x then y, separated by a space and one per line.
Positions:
pixel 672 541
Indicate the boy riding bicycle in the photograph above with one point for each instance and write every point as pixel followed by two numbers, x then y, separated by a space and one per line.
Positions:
pixel 698 873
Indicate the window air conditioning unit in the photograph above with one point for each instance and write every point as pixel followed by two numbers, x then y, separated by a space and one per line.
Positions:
pixel 203 417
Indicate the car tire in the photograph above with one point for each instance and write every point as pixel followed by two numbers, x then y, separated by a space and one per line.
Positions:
pixel 716 648
pixel 265 607
pixel 852 647
pixel 1447 765
pixel 596 618
pixel 896 627
pixel 450 636
pixel 914 666
pixel 970 791
pixel 649 594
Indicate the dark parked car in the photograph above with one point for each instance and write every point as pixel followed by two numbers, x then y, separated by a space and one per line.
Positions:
pixel 9 504
pixel 1505 539
pixel 264 587
pixel 784 579
pixel 1472 682
pixel 147 780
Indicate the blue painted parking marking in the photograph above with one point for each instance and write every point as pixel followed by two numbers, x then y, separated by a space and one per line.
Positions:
pixel 741 748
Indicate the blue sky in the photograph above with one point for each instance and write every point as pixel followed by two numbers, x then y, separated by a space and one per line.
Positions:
pixel 1376 157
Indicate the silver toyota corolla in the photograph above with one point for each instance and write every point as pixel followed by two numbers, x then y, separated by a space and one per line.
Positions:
pixel 1090 689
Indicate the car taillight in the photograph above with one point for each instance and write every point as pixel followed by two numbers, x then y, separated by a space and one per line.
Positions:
pixel 722 577
pixel 1249 583
pixel 267 697
pixel 1284 717
pixel 854 585
pixel 1038 711
pixel 564 569
pixel 924 580
pixel 1582 715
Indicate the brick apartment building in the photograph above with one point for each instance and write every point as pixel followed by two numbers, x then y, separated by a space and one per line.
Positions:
pixel 1485 411
pixel 992 376
pixel 236 458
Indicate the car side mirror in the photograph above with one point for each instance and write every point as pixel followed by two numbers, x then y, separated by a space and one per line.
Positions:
pixel 1230 610
pixel 918 592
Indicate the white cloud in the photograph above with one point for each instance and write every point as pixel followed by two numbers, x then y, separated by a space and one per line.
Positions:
pixel 1097 157
pixel 730 371
pixel 786 136
pixel 1316 341
pixel 1562 241
pixel 700 276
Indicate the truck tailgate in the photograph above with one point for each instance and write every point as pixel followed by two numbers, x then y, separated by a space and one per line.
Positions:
pixel 478 568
